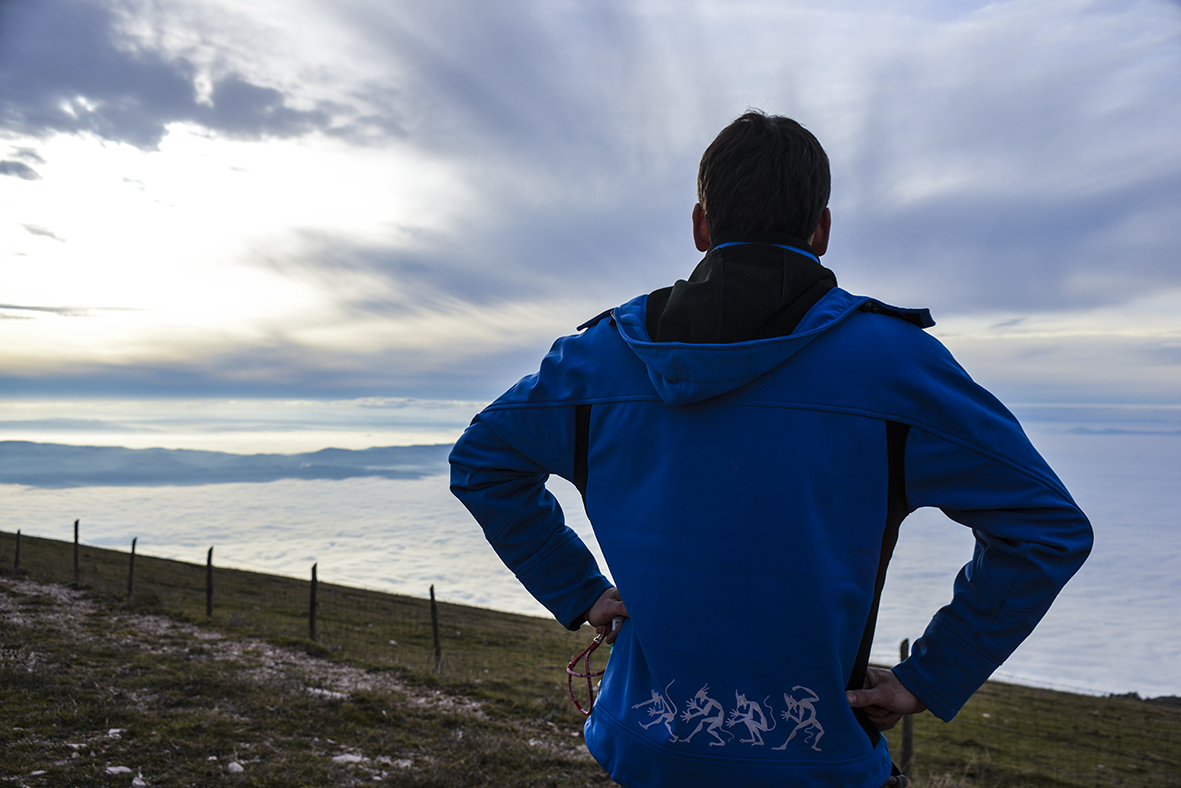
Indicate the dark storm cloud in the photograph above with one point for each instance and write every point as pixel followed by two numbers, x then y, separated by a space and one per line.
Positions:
pixel 18 169
pixel 62 69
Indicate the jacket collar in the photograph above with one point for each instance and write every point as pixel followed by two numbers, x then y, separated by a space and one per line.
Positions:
pixel 746 287
pixel 782 240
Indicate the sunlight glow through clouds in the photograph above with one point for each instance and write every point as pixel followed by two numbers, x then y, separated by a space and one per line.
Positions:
pixel 173 247
pixel 199 197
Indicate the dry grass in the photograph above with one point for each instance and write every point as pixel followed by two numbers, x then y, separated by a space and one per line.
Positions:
pixel 87 687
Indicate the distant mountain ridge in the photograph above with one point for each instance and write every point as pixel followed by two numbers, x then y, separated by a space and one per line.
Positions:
pixel 60 465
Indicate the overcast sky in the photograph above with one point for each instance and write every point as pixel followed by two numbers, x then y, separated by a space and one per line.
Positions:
pixel 372 198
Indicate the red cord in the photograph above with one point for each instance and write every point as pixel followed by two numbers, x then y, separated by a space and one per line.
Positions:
pixel 571 674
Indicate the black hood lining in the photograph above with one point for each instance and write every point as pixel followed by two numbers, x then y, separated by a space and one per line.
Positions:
pixel 745 288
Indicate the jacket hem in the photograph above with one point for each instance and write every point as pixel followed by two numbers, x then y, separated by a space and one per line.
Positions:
pixel 635 762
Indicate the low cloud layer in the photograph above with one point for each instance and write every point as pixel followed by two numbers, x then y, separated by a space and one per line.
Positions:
pixel 52 465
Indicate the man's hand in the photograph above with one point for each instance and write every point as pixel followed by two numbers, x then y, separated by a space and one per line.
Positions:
pixel 609 607
pixel 884 699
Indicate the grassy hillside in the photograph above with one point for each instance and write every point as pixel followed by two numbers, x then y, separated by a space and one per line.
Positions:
pixel 189 695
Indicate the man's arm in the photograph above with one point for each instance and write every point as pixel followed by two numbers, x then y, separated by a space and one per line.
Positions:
pixel 505 491
pixel 1030 539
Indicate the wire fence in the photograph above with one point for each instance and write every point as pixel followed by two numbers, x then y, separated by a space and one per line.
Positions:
pixel 379 628
pixel 1012 735
pixel 1006 735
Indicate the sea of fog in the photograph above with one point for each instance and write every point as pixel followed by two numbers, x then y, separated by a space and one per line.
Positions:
pixel 1114 629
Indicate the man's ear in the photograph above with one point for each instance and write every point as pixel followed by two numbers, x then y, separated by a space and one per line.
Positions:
pixel 819 239
pixel 700 229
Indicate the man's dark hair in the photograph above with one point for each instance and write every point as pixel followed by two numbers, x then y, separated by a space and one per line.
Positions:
pixel 763 174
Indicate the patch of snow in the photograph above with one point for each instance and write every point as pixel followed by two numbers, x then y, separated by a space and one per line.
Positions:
pixel 116 733
pixel 138 782
pixel 233 767
pixel 118 770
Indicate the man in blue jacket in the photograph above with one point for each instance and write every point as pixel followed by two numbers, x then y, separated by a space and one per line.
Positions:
pixel 746 443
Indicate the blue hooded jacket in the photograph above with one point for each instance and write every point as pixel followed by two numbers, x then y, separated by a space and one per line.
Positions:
pixel 742 495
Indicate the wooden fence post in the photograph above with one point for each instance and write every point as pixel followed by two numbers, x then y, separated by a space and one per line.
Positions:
pixel 77 574
pixel 17 564
pixel 312 606
pixel 435 631
pixel 907 755
pixel 209 584
pixel 131 570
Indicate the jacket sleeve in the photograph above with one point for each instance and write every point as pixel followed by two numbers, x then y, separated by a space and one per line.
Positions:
pixel 1030 539
pixel 505 491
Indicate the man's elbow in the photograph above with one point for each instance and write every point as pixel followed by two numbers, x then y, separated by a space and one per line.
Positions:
pixel 1082 538
pixel 467 458
pixel 1072 546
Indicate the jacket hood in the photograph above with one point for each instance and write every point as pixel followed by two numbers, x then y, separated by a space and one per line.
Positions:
pixel 746 287
pixel 683 373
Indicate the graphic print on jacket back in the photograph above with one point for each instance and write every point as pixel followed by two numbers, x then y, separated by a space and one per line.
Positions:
pixel 711 713
pixel 750 714
pixel 661 709
pixel 803 713
pixel 758 718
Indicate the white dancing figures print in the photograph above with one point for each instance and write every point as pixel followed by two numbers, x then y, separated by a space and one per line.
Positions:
pixel 757 718
pixel 711 713
pixel 750 714
pixel 803 713
pixel 661 709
